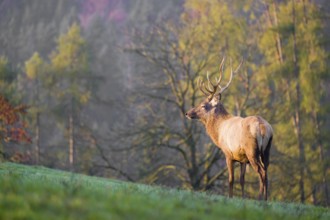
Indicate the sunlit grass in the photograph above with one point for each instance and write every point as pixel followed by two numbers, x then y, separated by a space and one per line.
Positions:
pixel 28 192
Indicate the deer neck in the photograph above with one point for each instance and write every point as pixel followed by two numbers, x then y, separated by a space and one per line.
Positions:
pixel 214 121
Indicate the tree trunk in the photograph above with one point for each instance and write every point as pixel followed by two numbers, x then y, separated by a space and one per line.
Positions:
pixel 193 172
pixel 37 128
pixel 71 136
pixel 322 160
pixel 278 39
pixel 274 23
pixel 324 176
pixel 297 113
pixel 37 139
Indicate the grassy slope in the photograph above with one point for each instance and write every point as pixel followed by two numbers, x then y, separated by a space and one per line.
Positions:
pixel 28 192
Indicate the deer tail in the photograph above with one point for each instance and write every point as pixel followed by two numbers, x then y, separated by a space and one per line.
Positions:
pixel 264 137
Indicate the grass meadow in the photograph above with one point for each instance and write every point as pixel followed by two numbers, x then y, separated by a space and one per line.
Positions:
pixel 33 192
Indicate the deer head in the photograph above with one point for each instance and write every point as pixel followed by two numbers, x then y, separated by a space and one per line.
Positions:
pixel 211 105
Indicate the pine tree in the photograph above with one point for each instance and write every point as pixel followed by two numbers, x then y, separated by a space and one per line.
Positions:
pixel 35 70
pixel 71 85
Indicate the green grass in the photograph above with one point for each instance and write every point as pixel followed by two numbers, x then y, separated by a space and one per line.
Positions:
pixel 31 192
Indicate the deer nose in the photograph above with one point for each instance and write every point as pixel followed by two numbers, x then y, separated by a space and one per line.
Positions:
pixel 187 115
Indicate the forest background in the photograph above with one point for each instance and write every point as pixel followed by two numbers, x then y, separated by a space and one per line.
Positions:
pixel 107 84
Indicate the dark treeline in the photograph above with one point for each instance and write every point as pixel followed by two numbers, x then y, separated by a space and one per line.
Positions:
pixel 108 82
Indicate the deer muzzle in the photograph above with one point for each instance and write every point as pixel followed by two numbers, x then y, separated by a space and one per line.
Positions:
pixel 191 114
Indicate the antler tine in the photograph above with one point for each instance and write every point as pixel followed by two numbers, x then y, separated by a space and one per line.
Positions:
pixel 200 85
pixel 221 72
pixel 221 68
pixel 209 81
pixel 218 80
pixel 231 75
pixel 239 66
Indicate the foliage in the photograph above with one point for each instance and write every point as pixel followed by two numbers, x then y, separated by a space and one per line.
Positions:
pixel 69 63
pixel 7 78
pixel 40 193
pixel 37 70
pixel 12 128
pixel 33 66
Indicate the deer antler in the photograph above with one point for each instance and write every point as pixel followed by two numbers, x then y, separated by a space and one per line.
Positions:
pixel 211 89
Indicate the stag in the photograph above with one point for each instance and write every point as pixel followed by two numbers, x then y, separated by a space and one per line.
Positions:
pixel 243 140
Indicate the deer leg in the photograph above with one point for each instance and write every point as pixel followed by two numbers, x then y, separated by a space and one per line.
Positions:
pixel 258 168
pixel 230 176
pixel 265 185
pixel 242 177
pixel 261 185
pixel 266 163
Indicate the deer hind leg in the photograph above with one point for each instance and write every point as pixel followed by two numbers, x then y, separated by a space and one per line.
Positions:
pixel 230 176
pixel 265 189
pixel 265 160
pixel 260 169
pixel 263 184
pixel 263 175
pixel 242 177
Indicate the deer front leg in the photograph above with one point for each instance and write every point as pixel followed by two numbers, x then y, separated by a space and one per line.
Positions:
pixel 230 176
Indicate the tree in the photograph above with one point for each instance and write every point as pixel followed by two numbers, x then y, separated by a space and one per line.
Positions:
pixel 34 69
pixel 12 128
pixel 7 79
pixel 180 55
pixel 71 86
